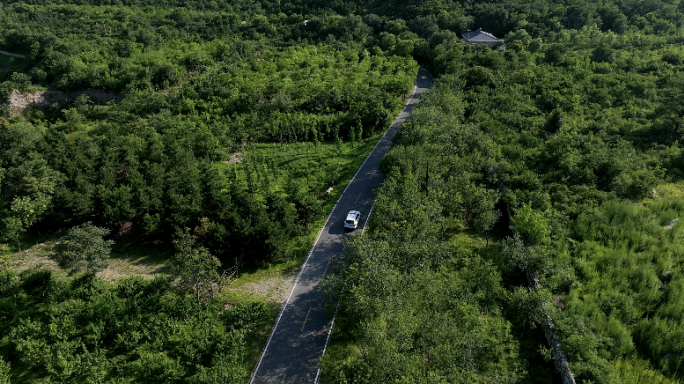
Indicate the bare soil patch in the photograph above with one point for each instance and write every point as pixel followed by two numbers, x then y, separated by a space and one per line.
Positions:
pixel 235 158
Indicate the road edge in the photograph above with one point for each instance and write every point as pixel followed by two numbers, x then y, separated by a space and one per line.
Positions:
pixel 313 247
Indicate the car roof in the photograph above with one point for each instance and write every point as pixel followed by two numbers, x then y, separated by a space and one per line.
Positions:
pixel 353 213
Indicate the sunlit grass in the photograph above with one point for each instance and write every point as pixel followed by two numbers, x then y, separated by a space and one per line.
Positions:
pixel 670 190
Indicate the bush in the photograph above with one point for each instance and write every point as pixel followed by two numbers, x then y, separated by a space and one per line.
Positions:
pixel 84 248
pixel 308 208
pixel 635 185
pixel 130 287
pixel 38 284
pixel 157 368
pixel 672 58
pixel 4 372
pixel 531 225
pixel 479 76
pixel 244 315
pixel 87 287
pixel 9 284
pixel 225 368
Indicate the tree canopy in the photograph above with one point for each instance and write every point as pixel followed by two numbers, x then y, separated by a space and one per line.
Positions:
pixel 556 154
pixel 84 248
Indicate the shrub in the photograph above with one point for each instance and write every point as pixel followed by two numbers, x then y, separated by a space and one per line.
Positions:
pixel 9 284
pixel 37 283
pixel 479 76
pixel 84 248
pixel 531 225
pixel 4 372
pixel 244 315
pixel 157 368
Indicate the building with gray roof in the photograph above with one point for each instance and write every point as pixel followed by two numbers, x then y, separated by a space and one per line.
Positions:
pixel 480 37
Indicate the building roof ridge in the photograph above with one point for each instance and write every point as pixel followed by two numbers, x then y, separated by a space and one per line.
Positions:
pixel 479 33
pixel 488 34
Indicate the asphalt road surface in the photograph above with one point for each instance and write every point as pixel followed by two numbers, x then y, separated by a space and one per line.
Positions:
pixel 300 335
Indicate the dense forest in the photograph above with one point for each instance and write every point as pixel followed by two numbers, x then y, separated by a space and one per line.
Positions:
pixel 166 123
pixel 558 156
pixel 149 163
pixel 555 155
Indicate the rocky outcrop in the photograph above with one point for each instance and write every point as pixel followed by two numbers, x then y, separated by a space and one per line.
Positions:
pixel 19 102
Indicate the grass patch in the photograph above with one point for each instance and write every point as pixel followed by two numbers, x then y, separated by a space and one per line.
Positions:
pixel 145 261
pixel 316 168
pixel 670 191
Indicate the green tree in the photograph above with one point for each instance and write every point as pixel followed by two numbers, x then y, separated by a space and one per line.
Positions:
pixel 28 209
pixel 193 268
pixel 527 306
pixel 515 255
pixel 555 54
pixel 4 372
pixel 12 229
pixel 485 221
pixel 531 225
pixel 602 54
pixel 84 248
pixel 672 105
pixel 479 76
pixel 352 28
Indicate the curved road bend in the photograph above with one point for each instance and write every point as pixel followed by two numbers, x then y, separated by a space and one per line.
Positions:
pixel 300 334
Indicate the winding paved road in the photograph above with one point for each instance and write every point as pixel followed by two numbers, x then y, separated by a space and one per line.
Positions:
pixel 301 333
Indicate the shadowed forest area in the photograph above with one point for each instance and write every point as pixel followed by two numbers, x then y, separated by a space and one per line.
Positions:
pixel 224 126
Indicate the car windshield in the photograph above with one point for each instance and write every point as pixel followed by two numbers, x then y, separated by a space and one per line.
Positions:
pixel 349 222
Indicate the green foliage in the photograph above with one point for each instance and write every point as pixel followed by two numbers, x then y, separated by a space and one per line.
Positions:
pixel 578 121
pixel 139 331
pixel 526 306
pixel 479 76
pixel 513 254
pixel 145 154
pixel 224 369
pixel 157 368
pixel 84 248
pixel 531 225
pixel 626 245
pixel 8 282
pixel 4 372
pixel 193 268
pixel 457 335
pixel 565 186
pixel 579 127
